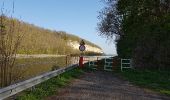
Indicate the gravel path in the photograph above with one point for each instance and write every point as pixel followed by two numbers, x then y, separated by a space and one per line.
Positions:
pixel 100 85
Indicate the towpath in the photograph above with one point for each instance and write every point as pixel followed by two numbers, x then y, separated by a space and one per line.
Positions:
pixel 100 85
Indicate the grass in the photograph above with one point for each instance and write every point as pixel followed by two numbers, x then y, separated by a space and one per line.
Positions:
pixel 152 79
pixel 50 86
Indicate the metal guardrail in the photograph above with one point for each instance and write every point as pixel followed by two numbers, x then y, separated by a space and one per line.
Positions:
pixel 18 87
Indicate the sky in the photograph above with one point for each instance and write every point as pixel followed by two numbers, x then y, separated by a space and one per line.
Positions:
pixel 78 17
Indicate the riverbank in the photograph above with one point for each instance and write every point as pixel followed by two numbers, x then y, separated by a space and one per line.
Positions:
pixel 20 56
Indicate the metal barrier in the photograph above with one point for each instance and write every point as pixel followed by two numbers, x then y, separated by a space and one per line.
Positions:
pixel 92 61
pixel 125 63
pixel 93 64
pixel 18 87
pixel 108 66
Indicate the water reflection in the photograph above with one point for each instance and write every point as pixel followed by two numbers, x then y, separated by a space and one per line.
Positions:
pixel 30 67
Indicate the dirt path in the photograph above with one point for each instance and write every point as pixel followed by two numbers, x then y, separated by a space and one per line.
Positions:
pixel 103 86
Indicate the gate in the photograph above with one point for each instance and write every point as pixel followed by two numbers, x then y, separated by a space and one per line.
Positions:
pixel 126 63
pixel 108 66
pixel 99 62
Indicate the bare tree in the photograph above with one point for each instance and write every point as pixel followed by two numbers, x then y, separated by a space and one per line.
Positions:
pixel 110 21
pixel 10 39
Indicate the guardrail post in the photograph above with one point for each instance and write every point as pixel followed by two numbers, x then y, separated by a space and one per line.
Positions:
pixel 32 88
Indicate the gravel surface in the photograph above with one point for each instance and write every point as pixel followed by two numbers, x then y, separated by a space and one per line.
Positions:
pixel 100 85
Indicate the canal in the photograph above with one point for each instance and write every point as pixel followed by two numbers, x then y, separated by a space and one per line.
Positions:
pixel 27 67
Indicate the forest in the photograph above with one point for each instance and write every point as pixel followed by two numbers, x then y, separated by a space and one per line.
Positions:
pixel 141 28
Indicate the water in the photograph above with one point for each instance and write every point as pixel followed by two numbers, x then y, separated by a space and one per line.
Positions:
pixel 26 68
pixel 30 67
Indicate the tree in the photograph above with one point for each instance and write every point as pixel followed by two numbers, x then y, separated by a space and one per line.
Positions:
pixel 10 39
pixel 110 21
pixel 143 30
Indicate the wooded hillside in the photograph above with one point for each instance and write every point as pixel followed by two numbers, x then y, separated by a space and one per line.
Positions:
pixel 38 40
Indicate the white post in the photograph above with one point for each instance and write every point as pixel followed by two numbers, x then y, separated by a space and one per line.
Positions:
pixel 121 64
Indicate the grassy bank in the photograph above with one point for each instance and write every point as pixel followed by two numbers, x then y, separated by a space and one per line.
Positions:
pixel 50 86
pixel 156 80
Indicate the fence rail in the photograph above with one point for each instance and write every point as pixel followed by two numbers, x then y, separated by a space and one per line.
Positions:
pixel 18 87
pixel 108 66
pixel 93 62
pixel 126 63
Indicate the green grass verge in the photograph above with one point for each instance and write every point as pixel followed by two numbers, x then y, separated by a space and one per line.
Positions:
pixel 50 86
pixel 155 80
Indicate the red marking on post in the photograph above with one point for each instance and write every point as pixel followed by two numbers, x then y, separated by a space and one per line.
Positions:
pixel 81 62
